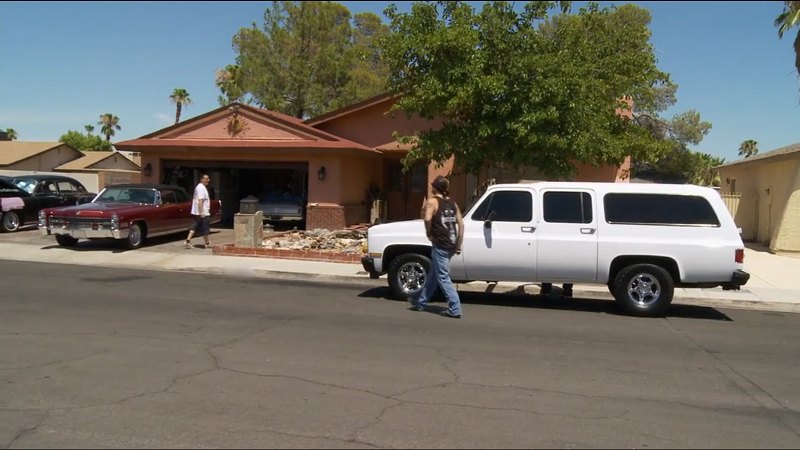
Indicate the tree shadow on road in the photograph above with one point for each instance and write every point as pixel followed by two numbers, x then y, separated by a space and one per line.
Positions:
pixel 580 304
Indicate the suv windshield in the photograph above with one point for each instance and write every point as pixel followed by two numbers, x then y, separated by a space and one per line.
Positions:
pixel 127 195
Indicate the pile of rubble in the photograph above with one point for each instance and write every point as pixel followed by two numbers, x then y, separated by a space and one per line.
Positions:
pixel 350 241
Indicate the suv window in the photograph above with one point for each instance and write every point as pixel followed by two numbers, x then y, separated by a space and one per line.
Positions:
pixel 659 209
pixel 506 206
pixel 567 207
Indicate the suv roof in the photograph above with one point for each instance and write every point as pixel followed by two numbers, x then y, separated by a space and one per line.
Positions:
pixel 612 187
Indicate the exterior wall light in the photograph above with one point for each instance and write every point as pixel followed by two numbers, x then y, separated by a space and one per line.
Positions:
pixel 147 170
pixel 321 173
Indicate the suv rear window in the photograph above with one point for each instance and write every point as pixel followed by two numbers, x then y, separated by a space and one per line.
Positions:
pixel 659 209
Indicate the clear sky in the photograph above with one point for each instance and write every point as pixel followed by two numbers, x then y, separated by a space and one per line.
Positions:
pixel 64 63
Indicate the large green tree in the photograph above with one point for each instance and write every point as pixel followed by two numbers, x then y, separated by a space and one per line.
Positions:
pixel 11 134
pixel 108 124
pixel 85 142
pixel 309 58
pixel 228 80
pixel 180 98
pixel 530 87
pixel 788 19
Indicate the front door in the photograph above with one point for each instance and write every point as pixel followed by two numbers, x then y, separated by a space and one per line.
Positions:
pixel 500 237
pixel 405 190
pixel 567 233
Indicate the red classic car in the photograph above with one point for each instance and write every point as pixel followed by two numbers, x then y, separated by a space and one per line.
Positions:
pixel 127 212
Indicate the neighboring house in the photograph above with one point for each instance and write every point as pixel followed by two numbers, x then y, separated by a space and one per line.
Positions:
pixel 332 161
pixel 35 156
pixel 4 136
pixel 94 170
pixel 110 168
pixel 768 208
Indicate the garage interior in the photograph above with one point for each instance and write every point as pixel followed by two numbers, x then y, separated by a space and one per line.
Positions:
pixel 232 181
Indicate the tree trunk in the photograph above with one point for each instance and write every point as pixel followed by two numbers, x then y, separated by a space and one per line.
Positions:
pixel 177 113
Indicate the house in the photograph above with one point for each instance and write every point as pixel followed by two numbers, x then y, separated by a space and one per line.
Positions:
pixel 109 167
pixel 331 161
pixel 251 151
pixel 371 123
pixel 35 156
pixel 768 188
pixel 94 170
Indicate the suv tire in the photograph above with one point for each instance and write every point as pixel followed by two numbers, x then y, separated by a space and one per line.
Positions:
pixel 643 289
pixel 407 275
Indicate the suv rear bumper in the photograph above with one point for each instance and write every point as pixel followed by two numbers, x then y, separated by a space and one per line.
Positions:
pixel 738 279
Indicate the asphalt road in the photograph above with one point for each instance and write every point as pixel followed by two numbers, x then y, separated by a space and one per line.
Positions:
pixel 120 358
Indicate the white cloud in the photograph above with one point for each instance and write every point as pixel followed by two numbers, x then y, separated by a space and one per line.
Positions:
pixel 164 119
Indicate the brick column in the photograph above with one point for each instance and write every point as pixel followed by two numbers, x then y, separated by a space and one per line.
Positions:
pixel 329 217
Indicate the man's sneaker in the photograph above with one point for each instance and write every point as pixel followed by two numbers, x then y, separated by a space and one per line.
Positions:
pixel 447 313
pixel 416 308
pixel 187 245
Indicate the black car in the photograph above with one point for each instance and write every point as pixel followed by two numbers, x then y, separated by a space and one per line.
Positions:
pixel 23 196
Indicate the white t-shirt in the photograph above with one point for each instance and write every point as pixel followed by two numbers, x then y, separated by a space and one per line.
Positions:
pixel 201 193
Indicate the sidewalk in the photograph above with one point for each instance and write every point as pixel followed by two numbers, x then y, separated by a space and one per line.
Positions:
pixel 773 284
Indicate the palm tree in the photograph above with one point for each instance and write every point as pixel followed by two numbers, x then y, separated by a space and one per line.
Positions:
pixel 108 123
pixel 89 129
pixel 748 148
pixel 790 18
pixel 11 133
pixel 179 97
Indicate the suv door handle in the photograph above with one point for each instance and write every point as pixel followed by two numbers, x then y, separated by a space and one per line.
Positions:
pixel 527 229
pixel 587 230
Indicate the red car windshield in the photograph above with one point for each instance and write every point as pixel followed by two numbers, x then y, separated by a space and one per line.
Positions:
pixel 145 196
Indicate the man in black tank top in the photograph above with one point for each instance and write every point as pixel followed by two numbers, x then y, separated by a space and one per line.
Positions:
pixel 445 230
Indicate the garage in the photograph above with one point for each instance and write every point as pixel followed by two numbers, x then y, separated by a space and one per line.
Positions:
pixel 280 187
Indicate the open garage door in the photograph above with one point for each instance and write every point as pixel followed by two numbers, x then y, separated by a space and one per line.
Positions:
pixel 282 188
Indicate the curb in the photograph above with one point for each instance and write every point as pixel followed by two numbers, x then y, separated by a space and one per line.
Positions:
pixel 281 253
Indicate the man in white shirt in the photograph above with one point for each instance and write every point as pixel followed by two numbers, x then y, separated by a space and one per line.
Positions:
pixel 201 211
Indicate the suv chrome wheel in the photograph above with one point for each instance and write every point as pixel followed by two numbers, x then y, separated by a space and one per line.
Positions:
pixel 411 277
pixel 407 275
pixel 644 289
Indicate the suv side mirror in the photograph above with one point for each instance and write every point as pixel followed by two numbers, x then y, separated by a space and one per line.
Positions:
pixel 487 223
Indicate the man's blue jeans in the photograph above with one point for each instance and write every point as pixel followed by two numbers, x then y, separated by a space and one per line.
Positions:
pixel 439 277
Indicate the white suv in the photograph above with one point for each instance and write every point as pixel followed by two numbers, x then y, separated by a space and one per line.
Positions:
pixel 641 240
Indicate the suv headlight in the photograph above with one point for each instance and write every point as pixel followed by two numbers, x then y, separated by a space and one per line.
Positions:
pixel 42 219
pixel 114 221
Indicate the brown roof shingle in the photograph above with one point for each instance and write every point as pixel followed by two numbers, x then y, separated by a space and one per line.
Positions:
pixel 87 160
pixel 15 151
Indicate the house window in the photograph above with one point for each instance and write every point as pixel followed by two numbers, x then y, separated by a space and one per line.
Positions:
pixel 419 178
pixel 395 177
